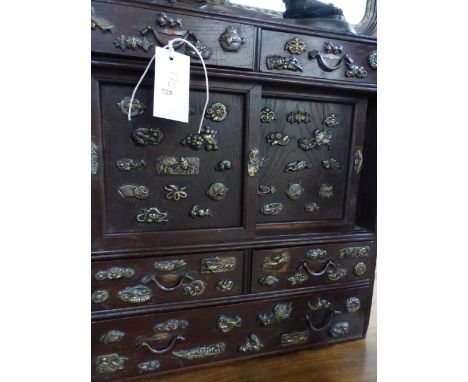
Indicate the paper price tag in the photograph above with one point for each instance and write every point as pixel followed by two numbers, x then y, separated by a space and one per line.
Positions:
pixel 171 85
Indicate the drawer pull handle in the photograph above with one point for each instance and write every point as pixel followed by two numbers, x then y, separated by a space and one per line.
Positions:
pixel 329 265
pixel 149 278
pixel 324 324
pixel 144 343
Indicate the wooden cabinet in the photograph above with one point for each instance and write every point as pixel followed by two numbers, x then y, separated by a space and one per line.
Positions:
pixel 255 236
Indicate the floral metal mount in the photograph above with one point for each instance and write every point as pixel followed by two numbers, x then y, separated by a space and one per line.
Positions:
pixel 278 313
pixel 217 112
pixel 284 63
pixel 137 106
pixel 267 115
pixel 299 117
pixel 295 46
pixel 206 139
pixel 331 120
pixel 145 136
pixel 277 139
pixel 321 138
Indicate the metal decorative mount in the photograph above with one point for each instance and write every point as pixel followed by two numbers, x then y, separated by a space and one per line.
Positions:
pixel 320 303
pixel 298 117
pixel 114 273
pixel 170 325
pixel 94 158
pixel 132 42
pixel 339 329
pixel 284 63
pixel 186 282
pixel 136 294
pixel 231 40
pixel 152 215
pixel 224 286
pixel 294 191
pixel 217 264
pixel 298 278
pixel 126 164
pixel 251 343
pixel 133 191
pixel 269 280
pixel 354 70
pixel 265 190
pixel 169 265
pixel 373 59
pixel 297 165
pixel 352 304
pixel 277 139
pixel 101 23
pixel 272 208
pixel 337 274
pixel 204 50
pixel 226 323
pixel 165 21
pixel 357 162
pixel 331 120
pixel 354 252
pixel 201 351
pixel 321 138
pixel 276 261
pixel 145 136
pixel 175 192
pixel 311 207
pixel 217 112
pixel 146 366
pixel 317 253
pixel 145 343
pixel 330 47
pixel 173 166
pixel 206 139
pixel 137 106
pixel 267 115
pixel 295 338
pixel 111 337
pixel 100 296
pixel 194 288
pixel 255 162
pixel 197 212
pixel 223 165
pixel 170 28
pixel 332 271
pixel 331 163
pixel 326 191
pixel 110 363
pixel 295 46
pixel 217 191
pixel 359 269
pixel 279 312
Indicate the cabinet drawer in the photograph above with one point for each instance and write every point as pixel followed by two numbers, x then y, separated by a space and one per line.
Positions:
pixel 327 66
pixel 309 266
pixel 158 280
pixel 138 30
pixel 134 346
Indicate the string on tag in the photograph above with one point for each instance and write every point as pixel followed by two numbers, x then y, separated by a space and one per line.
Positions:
pixel 170 46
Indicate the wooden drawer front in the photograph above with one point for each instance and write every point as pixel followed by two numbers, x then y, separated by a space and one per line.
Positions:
pixel 135 346
pixel 274 44
pixel 303 267
pixel 158 280
pixel 297 188
pixel 130 21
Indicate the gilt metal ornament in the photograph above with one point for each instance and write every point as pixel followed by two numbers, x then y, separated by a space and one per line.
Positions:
pixel 255 162
pixel 165 21
pixel 321 138
pixel 299 117
pixel 357 162
pixel 354 70
pixel 319 304
pixel 146 366
pixel 110 363
pixel 169 265
pixel 298 278
pixel 217 112
pixel 231 40
pixel 267 115
pixel 359 269
pixel 194 288
pixel 352 304
pixel 166 165
pixel 170 325
pixel 284 63
pixel 276 261
pixel 336 273
pixel 206 139
pixel 217 264
pixel 269 280
pixel 277 139
pixel 145 136
pixel 197 212
pixel 354 252
pixel 330 47
pixel 100 22
pixel 94 158
pixel 294 191
pixel 175 193
pixel 295 46
pixel 114 273
pixel 224 286
pixel 264 190
pixel 127 164
pixel 331 120
pixel 136 294
pixel 217 191
pixel 331 163
pixel 316 253
pixel 138 107
pixel 100 296
pixel 311 207
pixel 272 208
pixel 278 313
pixel 133 191
pixel 112 337
pixel 223 165
pixel 326 191
pixel 205 51
pixel 132 42
pixel 339 329
pixel 297 165
pixel 295 338
pixel 251 343
pixel 201 351
pixel 227 323
pixel 152 215
pixel 372 59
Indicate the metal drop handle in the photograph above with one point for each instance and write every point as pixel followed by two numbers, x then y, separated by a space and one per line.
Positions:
pixel 324 324
pixel 144 343
pixel 179 283
pixel 329 265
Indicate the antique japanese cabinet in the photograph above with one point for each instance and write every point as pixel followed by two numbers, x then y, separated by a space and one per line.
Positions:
pixel 254 237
